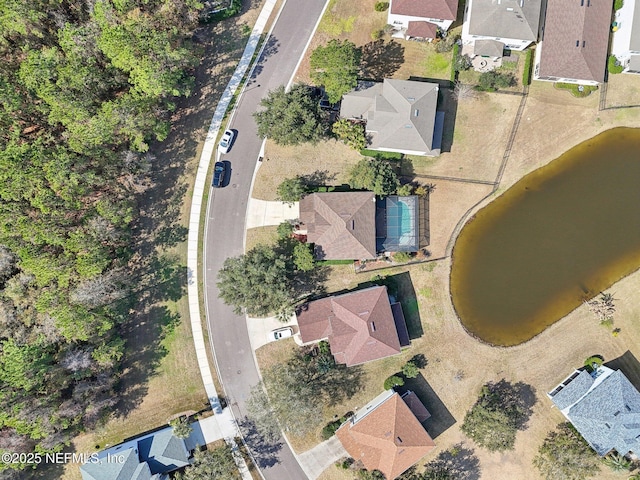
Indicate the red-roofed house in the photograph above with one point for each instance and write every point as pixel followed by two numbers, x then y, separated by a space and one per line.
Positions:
pixel 360 326
pixel 410 17
pixel 386 434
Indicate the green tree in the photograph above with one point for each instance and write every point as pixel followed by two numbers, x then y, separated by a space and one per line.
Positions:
pixel 284 230
pixel 501 410
pixel 303 257
pixel 181 428
pixel 564 455
pixel 351 133
pixel 335 66
pixel 291 190
pixel 23 367
pixel 257 282
pixel 370 475
pixel 291 118
pixel 216 464
pixel 410 370
pixel 374 174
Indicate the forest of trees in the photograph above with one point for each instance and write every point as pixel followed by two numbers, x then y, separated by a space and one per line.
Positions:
pixel 84 87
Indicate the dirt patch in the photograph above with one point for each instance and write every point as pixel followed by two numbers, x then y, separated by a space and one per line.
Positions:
pixel 623 90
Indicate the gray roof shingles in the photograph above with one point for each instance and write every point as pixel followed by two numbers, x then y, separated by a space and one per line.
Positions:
pixel 517 19
pixel 571 393
pixel 400 114
pixel 606 413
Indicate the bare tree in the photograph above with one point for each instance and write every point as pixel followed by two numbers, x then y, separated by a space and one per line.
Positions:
pixel 464 91
pixel 101 290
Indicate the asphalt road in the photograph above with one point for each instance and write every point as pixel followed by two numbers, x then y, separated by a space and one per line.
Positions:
pixel 224 228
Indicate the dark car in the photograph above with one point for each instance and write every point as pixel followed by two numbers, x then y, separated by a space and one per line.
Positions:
pixel 219 172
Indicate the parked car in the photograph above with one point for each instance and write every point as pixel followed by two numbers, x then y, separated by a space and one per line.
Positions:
pixel 280 333
pixel 225 143
pixel 219 172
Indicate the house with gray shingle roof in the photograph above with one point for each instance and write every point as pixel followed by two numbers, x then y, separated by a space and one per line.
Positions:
pixel 604 407
pixel 400 115
pixel 575 42
pixel 149 457
pixel 514 23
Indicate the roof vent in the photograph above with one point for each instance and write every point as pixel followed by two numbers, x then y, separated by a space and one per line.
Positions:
pixel 617 413
pixel 416 112
pixel 373 326
pixel 509 9
pixel 411 99
pixel 353 224
pixel 399 439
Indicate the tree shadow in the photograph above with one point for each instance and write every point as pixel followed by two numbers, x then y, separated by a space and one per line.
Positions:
pixel 270 48
pixel 519 395
pixel 459 462
pixel 441 418
pixel 264 452
pixel 381 60
pixel 145 352
pixel 318 178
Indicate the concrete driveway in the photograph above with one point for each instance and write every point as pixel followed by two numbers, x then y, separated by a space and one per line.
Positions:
pixel 259 329
pixel 316 460
pixel 261 213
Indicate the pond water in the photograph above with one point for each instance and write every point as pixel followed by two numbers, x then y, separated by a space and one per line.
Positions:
pixel 558 237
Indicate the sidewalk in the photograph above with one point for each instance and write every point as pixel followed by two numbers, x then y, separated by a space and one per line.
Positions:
pixel 261 213
pixel 226 423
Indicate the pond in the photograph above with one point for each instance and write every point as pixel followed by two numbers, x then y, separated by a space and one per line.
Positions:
pixel 558 237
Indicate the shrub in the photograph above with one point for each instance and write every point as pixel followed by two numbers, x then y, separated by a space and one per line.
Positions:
pixel 590 362
pixel 405 190
pixel 381 6
pixel 491 81
pixel 446 44
pixel 410 370
pixel 303 257
pixel 351 133
pixel 330 428
pixel 617 4
pixel 377 34
pixel 613 65
pixel 401 257
pixel 461 62
pixel 393 381
pixel 454 71
pixel 526 73
pixel 617 462
pixel 345 464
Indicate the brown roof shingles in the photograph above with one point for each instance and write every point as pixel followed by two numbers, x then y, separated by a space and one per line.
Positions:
pixel 422 29
pixel 389 438
pixel 437 9
pixel 341 224
pixel 576 39
pixel 359 325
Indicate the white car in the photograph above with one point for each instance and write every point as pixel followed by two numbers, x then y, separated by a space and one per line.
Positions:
pixel 280 333
pixel 225 143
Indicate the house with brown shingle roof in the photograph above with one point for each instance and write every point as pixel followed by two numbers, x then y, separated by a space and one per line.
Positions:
pixel 421 18
pixel 575 42
pixel 342 225
pixel 360 326
pixel 386 434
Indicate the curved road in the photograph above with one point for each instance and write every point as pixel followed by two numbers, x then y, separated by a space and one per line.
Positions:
pixel 224 228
